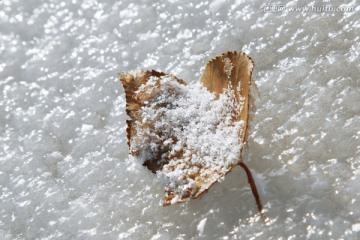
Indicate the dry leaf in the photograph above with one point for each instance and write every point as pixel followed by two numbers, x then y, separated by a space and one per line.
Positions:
pixel 190 135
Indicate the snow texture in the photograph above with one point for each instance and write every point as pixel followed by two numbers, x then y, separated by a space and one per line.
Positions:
pixel 201 226
pixel 64 166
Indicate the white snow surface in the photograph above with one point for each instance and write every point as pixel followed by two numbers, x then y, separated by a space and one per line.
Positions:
pixel 64 166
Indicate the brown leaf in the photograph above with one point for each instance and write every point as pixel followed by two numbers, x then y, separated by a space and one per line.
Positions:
pixel 158 128
pixel 231 69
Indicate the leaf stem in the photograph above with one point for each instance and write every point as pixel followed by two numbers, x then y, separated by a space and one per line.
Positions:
pixel 253 187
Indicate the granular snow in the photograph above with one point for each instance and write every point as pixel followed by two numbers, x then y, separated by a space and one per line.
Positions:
pixel 60 179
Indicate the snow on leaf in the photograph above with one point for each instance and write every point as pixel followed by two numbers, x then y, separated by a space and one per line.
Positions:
pixel 189 135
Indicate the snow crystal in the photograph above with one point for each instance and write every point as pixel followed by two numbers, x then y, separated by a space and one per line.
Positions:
pixel 86 127
pixel 228 67
pixel 200 227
